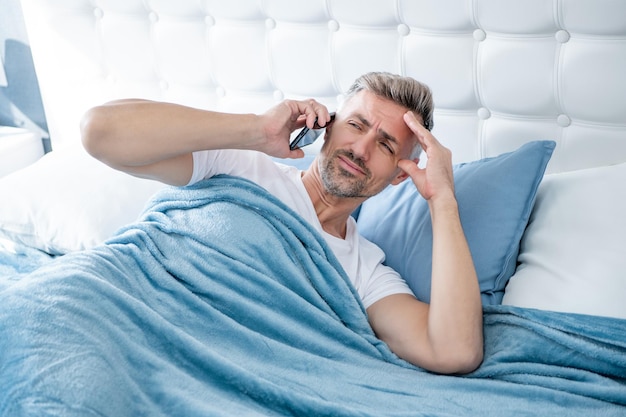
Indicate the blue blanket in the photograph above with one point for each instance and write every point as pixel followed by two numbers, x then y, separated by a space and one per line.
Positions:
pixel 17 260
pixel 221 301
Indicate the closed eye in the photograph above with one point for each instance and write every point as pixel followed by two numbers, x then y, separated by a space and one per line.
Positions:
pixel 354 125
pixel 387 147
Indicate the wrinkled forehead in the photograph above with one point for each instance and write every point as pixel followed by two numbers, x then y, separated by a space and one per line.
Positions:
pixel 361 99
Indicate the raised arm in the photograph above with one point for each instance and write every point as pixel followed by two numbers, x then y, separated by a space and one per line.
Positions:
pixel 446 335
pixel 155 139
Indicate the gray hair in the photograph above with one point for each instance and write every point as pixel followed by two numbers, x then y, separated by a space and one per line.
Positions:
pixel 405 91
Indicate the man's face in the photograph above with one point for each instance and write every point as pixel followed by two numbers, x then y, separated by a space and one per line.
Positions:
pixel 362 147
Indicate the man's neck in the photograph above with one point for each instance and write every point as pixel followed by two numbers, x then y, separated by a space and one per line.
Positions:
pixel 333 212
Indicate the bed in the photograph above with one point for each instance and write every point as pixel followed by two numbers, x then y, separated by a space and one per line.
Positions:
pixel 530 97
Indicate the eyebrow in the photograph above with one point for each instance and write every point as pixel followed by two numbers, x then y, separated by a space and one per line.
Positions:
pixel 381 132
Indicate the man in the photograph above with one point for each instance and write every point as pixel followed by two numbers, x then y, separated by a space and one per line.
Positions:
pixel 374 140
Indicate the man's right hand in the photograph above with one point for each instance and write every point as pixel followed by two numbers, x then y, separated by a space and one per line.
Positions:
pixel 281 120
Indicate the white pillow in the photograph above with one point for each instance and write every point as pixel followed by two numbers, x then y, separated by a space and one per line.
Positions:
pixel 68 201
pixel 573 253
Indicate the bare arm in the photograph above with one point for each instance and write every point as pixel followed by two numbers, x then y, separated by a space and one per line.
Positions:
pixel 155 139
pixel 445 336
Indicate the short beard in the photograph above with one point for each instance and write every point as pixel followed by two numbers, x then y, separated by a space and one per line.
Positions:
pixel 341 183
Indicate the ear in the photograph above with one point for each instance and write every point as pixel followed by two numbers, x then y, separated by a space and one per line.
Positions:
pixel 402 175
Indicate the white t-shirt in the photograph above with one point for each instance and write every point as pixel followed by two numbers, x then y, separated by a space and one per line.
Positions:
pixel 360 258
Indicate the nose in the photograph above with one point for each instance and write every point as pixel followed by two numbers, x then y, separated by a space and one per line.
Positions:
pixel 362 146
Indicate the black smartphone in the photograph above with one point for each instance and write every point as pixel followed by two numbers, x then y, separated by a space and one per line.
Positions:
pixel 307 136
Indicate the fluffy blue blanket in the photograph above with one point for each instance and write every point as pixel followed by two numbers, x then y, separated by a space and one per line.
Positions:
pixel 221 301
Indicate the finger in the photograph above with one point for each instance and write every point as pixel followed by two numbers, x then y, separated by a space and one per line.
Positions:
pixel 312 115
pixel 322 115
pixel 316 114
pixel 323 119
pixel 308 109
pixel 413 123
pixel 301 121
pixel 410 167
pixel 424 136
pixel 414 172
pixel 301 111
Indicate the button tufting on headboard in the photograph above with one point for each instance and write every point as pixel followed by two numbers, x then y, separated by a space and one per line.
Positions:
pixel 503 72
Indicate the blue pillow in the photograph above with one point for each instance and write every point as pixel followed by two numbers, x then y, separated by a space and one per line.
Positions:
pixel 495 196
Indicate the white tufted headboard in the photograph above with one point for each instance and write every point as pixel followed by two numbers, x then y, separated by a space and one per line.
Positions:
pixel 503 72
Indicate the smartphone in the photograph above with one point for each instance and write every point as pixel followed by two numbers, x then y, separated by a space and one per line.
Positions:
pixel 307 136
